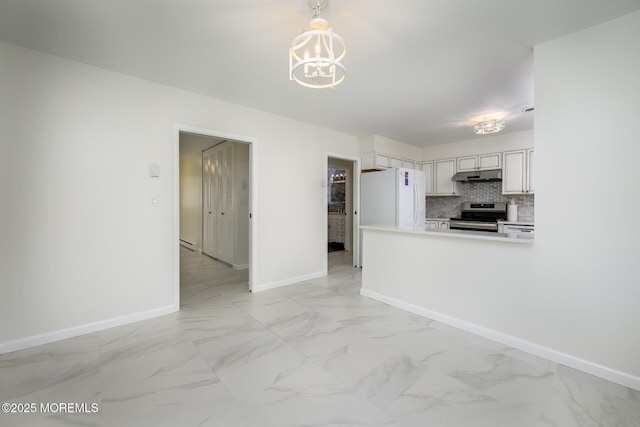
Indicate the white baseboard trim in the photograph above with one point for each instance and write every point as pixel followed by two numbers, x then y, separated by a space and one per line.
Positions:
pixel 49 337
pixel 289 281
pixel 622 378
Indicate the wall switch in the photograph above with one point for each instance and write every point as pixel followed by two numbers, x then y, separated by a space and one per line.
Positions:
pixel 154 170
pixel 155 201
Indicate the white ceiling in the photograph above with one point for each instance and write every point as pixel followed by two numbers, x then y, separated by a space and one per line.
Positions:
pixel 418 71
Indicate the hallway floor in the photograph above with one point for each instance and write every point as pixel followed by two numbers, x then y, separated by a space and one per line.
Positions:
pixel 310 354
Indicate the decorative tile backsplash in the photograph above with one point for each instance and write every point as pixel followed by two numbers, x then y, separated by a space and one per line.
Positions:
pixel 449 206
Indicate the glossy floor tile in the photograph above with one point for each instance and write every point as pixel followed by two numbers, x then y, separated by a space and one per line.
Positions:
pixel 310 354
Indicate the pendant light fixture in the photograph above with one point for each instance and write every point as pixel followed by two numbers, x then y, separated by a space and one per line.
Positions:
pixel 315 55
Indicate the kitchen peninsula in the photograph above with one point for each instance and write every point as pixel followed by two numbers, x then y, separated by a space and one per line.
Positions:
pixel 435 274
pixel 456 234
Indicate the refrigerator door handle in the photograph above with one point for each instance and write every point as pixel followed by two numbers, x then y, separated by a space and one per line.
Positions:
pixel 415 203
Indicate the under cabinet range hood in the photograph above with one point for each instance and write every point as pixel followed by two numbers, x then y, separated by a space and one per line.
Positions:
pixel 474 176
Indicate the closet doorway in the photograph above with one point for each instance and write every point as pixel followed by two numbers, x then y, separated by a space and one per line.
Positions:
pixel 215 199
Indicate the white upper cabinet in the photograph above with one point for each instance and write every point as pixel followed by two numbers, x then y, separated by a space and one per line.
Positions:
pixel 377 160
pixel 396 162
pixel 516 165
pixel 372 160
pixel 382 160
pixel 443 172
pixel 479 162
pixel 409 164
pixel 427 168
pixel 530 170
pixel 490 161
pixel 517 173
pixel 468 163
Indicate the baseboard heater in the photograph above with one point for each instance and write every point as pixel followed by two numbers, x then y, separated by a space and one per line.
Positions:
pixel 189 245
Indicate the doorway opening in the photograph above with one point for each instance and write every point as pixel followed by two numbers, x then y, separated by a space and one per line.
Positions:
pixel 214 206
pixel 339 223
pixel 343 183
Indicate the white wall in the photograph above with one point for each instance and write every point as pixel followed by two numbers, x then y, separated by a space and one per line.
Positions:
pixel 575 290
pixel 480 145
pixel 80 242
pixel 587 154
pixel 191 148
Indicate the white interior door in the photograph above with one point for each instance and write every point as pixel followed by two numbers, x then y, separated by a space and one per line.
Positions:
pixel 225 204
pixel 208 214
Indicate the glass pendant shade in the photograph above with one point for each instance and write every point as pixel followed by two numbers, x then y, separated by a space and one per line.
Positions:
pixel 489 126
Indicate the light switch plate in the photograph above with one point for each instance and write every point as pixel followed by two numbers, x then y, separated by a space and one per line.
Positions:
pixel 154 170
pixel 155 201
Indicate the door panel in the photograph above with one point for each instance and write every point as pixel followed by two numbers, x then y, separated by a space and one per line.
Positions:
pixel 224 211
pixel 218 202
pixel 208 216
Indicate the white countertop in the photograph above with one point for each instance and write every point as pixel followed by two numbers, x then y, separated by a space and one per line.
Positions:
pixel 458 234
pixel 437 219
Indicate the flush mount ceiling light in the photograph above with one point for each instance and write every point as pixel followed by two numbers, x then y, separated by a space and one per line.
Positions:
pixel 489 126
pixel 315 55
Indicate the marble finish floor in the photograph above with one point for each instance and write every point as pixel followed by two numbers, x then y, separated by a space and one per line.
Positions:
pixel 310 354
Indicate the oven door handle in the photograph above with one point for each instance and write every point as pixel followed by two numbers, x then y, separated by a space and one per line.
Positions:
pixel 485 225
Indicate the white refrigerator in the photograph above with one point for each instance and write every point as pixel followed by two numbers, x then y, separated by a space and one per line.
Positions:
pixel 392 197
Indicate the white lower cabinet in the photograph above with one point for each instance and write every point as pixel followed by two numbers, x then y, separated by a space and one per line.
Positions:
pixel 437 224
pixel 335 232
